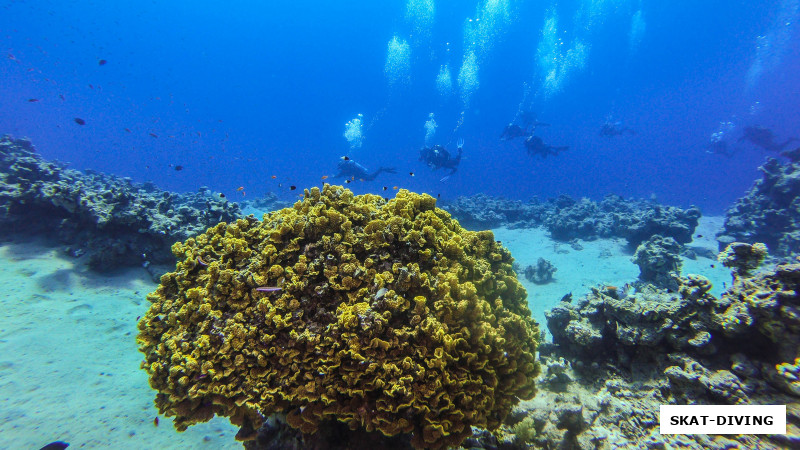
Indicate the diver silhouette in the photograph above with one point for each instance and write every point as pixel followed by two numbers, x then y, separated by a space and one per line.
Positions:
pixel 536 146
pixel 353 170
pixel 614 128
pixel 764 138
pixel 438 157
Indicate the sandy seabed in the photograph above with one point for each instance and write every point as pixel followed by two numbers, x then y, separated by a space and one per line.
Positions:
pixel 69 364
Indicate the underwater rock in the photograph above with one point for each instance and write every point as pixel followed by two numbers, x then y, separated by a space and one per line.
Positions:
pixel 111 220
pixel 659 262
pixel 568 219
pixel 633 220
pixel 743 258
pixel 769 212
pixel 541 273
pixel 628 353
pixel 482 211
pixel 383 315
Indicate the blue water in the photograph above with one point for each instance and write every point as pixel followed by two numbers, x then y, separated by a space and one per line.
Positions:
pixel 238 92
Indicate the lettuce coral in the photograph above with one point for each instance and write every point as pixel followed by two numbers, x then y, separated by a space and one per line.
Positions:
pixel 389 317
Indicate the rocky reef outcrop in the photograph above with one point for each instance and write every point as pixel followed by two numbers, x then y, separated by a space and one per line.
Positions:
pixel 630 352
pixel 108 220
pixel 567 218
pixel 659 262
pixel 769 212
pixel 540 273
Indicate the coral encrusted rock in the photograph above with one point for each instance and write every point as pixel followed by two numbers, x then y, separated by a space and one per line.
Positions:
pixel 769 213
pixel 384 315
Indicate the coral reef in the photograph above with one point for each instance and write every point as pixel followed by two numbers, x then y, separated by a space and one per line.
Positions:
pixel 769 212
pixel 743 258
pixel 634 220
pixel 541 273
pixel 482 211
pixel 111 220
pixel 567 219
pixel 659 262
pixel 629 353
pixel 383 315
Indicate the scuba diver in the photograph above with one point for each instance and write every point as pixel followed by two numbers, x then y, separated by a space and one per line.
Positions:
pixel 764 138
pixel 718 142
pixel 437 157
pixel 353 170
pixel 522 126
pixel 614 128
pixel 536 146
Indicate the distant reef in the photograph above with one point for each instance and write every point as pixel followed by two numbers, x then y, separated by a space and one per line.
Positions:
pixel 769 212
pixel 567 218
pixel 110 221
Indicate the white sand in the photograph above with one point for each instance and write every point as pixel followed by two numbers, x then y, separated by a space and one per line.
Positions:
pixel 603 261
pixel 69 365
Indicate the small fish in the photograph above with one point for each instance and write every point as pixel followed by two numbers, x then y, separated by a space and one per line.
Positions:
pixel 324 177
pixel 240 188
pixel 274 176
pixel 153 135
pixel 395 188
pixel 411 173
pixel 155 422
pixel 345 158
pixel 178 168
pixel 699 235
pixel 33 100
pixel 138 317
pixel 61 96
pixel 79 121
pixel 57 445
pixel 268 289
pixel 438 195
pixel 102 62
pixel 712 266
pixel 128 130
pixel 91 86
pixel 221 195
pixel 385 188
pixel 293 187
pixel 567 298
pixel 347 181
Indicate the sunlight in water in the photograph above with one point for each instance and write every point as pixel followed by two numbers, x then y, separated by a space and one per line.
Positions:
pixel 420 14
pixel 398 62
pixel 636 34
pixel 555 64
pixel 468 77
pixel 430 130
pixel 352 132
pixel 444 81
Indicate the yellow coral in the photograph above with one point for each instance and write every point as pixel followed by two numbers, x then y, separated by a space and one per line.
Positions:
pixel 389 317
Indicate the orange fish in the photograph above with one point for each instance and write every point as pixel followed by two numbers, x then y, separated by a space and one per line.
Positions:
pixel 240 188
pixel 324 177
pixel 274 176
